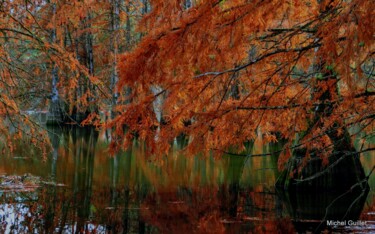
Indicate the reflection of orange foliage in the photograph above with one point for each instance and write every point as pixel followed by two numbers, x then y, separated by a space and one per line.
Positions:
pixel 205 211
pixel 261 199
pixel 282 226
pixel 196 212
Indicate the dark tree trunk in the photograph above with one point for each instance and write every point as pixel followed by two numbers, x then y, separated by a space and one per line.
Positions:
pixel 115 26
pixel 344 168
pixel 56 112
pixel 85 54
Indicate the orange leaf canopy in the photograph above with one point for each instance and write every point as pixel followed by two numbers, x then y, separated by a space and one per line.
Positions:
pixel 233 71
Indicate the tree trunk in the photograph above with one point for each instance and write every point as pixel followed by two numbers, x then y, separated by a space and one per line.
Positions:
pixel 343 164
pixel 115 25
pixel 85 54
pixel 55 108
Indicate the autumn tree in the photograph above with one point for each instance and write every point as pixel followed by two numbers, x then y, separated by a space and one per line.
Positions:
pixel 33 26
pixel 21 87
pixel 65 51
pixel 37 69
pixel 231 72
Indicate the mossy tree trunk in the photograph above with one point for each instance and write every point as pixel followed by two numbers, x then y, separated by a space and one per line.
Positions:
pixel 344 168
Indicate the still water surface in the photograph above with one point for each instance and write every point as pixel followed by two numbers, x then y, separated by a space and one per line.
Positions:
pixel 87 191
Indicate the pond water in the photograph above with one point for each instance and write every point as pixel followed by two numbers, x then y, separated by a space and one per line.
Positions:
pixel 84 190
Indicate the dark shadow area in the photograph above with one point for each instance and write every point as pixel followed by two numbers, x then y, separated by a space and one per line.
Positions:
pixel 321 210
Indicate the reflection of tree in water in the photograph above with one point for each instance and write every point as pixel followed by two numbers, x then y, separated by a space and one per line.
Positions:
pixel 230 189
pixel 234 208
pixel 224 206
pixel 183 199
pixel 54 134
pixel 253 207
pixel 82 184
pixel 76 209
pixel 197 211
pixel 123 196
pixel 201 211
pixel 134 194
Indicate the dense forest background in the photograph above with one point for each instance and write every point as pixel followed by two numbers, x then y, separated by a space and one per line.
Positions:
pixel 223 73
pixel 186 115
pixel 59 60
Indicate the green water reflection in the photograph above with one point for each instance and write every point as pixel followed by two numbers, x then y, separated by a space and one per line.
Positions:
pixel 134 193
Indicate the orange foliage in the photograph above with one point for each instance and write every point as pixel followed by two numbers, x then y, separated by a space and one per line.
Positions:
pixel 66 42
pixel 221 72
pixel 231 69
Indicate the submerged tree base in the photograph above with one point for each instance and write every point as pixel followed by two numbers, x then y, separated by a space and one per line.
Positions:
pixel 317 211
pixel 343 172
